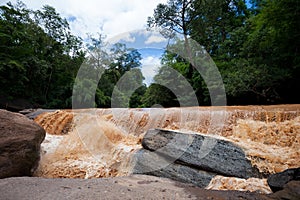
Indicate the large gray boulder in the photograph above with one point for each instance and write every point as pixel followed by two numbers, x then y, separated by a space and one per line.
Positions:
pixel 191 158
pixel 150 163
pixel 20 140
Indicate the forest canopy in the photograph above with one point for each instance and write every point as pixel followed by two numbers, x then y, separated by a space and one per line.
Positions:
pixel 255 46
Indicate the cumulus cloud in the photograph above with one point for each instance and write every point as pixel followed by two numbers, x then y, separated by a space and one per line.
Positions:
pixel 123 38
pixel 108 17
pixel 150 67
pixel 155 39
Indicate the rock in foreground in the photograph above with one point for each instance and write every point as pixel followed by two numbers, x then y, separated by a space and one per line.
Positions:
pixel 125 188
pixel 20 140
pixel 132 187
pixel 191 158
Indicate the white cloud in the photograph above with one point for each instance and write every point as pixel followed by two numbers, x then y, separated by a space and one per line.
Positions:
pixel 108 17
pixel 124 37
pixel 150 66
pixel 155 39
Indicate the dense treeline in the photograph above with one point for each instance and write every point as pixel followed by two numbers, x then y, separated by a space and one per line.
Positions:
pixel 255 47
pixel 40 59
pixel 109 76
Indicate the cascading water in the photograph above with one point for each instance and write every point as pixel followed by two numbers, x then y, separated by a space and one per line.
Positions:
pixel 99 142
pixel 88 151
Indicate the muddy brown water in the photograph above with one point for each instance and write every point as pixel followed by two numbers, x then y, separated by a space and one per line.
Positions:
pixel 93 143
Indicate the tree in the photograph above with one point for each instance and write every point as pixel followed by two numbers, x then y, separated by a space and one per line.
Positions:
pixel 126 76
pixel 31 58
pixel 215 21
pixel 206 22
pixel 175 16
pixel 274 42
pixel 255 49
pixel 136 97
pixel 157 94
pixel 115 73
pixel 124 58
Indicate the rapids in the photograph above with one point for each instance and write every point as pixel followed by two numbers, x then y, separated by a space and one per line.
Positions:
pixel 92 143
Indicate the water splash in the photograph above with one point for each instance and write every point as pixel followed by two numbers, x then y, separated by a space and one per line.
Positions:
pixel 69 156
pixel 56 123
pixel 271 146
pixel 269 135
pixel 230 183
pixel 197 119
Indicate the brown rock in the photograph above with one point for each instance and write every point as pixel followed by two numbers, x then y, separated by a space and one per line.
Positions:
pixel 20 140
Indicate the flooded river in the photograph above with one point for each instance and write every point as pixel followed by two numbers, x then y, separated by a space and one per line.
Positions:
pixel 95 143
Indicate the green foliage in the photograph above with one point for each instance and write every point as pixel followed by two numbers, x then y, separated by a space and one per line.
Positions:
pixel 157 94
pixel 175 16
pixel 39 57
pixel 216 20
pixel 117 73
pixel 255 49
pixel 274 42
pixel 136 97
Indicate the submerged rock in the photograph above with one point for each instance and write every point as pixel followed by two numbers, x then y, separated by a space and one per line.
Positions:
pixel 20 140
pixel 191 158
pixel 277 181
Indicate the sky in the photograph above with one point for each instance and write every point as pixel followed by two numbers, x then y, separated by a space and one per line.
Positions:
pixel 120 20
